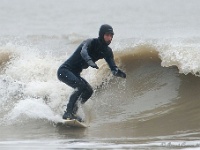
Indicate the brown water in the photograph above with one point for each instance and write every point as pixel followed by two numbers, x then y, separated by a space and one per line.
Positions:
pixel 155 107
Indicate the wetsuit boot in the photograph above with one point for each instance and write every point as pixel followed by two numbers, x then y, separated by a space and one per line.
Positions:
pixel 69 116
pixel 72 115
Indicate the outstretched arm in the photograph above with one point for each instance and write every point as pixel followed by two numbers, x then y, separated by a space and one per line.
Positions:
pixel 111 63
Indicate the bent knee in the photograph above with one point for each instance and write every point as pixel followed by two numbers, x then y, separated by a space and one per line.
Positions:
pixel 87 93
pixel 91 91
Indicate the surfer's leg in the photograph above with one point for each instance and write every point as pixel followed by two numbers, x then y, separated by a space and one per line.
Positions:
pixel 68 77
pixel 72 100
pixel 75 82
pixel 72 106
pixel 87 91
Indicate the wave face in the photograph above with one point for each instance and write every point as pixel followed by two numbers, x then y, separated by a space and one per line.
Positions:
pixel 157 104
pixel 154 100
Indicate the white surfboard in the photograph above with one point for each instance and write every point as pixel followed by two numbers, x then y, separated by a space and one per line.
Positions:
pixel 73 123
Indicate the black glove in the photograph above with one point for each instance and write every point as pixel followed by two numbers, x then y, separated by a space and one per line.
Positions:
pixel 119 73
pixel 92 64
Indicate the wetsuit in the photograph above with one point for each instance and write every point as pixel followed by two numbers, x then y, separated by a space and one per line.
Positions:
pixel 87 53
pixel 69 71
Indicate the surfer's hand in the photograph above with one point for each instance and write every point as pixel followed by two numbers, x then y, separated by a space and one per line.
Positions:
pixel 119 73
pixel 92 64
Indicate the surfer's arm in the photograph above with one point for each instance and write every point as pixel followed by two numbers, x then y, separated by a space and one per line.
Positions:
pixel 86 56
pixel 111 63
pixel 84 50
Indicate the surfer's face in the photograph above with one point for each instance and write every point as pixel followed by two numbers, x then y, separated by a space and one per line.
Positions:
pixel 108 37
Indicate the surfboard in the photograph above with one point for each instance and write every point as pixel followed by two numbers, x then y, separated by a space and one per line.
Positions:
pixel 73 123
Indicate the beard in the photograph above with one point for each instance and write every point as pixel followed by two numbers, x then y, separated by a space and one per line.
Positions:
pixel 108 42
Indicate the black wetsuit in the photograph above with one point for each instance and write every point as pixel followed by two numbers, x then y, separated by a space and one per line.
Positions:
pixel 69 71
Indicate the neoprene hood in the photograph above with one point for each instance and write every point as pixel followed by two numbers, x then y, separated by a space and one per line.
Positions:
pixel 105 28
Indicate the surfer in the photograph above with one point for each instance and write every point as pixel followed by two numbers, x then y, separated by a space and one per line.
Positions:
pixel 87 53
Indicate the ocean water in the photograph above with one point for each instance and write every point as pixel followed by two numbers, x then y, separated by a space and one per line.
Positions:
pixel 156 43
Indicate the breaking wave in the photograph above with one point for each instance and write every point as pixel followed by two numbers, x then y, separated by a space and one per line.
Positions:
pixel 162 84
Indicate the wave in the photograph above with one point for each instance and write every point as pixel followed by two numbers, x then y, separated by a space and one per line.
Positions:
pixel 160 86
pixel 153 100
pixel 182 53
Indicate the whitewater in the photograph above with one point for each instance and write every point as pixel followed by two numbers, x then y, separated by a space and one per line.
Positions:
pixel 156 43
